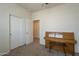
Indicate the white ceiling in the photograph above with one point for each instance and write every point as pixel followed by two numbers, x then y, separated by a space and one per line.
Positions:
pixel 38 6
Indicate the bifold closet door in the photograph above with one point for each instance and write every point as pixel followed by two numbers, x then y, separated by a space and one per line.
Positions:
pixel 17 31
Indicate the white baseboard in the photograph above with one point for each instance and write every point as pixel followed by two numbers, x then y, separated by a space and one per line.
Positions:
pixel 29 42
pixel 2 53
pixel 76 51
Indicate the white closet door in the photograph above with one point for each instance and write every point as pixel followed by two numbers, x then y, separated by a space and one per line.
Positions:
pixel 17 32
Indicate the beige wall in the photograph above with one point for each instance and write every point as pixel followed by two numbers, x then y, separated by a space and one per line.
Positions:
pixel 5 11
pixel 62 18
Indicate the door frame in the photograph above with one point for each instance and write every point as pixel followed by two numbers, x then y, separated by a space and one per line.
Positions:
pixel 39 28
pixel 10 29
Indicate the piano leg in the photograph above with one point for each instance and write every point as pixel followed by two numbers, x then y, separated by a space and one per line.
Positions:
pixel 49 47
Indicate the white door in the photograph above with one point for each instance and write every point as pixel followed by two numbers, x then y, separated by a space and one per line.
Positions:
pixel 17 31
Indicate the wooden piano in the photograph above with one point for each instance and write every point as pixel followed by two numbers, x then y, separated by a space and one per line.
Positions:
pixel 62 37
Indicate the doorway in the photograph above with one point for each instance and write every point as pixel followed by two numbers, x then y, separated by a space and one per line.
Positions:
pixel 36 31
pixel 17 32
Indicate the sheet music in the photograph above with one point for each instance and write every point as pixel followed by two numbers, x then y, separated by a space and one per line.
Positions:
pixel 58 35
pixel 51 35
